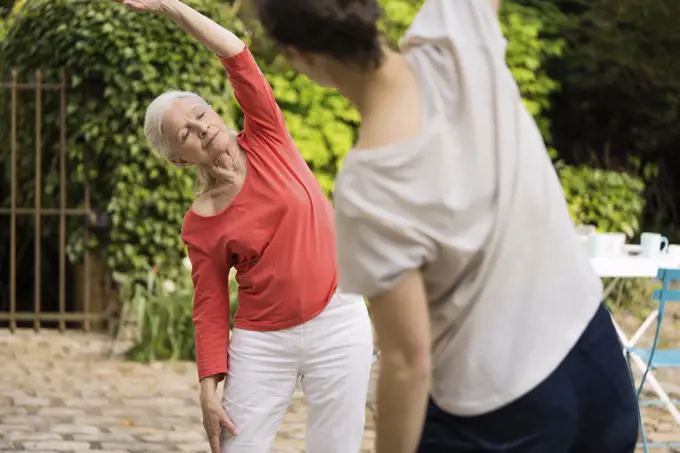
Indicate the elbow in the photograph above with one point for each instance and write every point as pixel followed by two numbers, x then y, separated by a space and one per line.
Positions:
pixel 413 365
pixel 419 369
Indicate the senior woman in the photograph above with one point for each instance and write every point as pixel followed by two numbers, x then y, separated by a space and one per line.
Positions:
pixel 263 213
pixel 449 206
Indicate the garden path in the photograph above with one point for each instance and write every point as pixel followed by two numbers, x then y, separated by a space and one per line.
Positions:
pixel 63 392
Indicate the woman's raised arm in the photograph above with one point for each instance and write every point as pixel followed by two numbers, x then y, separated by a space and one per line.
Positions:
pixel 263 117
pixel 218 39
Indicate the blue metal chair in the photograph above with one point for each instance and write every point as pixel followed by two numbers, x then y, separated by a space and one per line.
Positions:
pixel 658 358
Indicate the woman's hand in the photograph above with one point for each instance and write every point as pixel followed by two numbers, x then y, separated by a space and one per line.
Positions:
pixel 214 421
pixel 144 6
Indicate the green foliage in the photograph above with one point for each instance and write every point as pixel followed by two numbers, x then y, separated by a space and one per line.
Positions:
pixel 529 47
pixel 5 8
pixel 117 62
pixel 161 312
pixel 160 308
pixel 397 17
pixel 611 201
pixel 620 97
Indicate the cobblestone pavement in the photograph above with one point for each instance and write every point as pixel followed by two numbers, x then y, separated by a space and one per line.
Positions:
pixel 61 392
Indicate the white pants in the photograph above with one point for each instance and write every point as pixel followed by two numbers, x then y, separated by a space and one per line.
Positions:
pixel 331 354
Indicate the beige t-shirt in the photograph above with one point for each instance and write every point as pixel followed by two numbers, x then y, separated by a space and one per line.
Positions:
pixel 475 203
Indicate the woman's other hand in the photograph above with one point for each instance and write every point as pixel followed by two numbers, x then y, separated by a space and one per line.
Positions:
pixel 144 6
pixel 214 421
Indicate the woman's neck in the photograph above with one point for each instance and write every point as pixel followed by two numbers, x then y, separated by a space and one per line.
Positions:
pixel 226 173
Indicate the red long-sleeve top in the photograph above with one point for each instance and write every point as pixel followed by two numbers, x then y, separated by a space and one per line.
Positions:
pixel 278 233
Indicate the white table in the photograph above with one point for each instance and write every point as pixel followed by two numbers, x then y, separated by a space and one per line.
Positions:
pixel 627 266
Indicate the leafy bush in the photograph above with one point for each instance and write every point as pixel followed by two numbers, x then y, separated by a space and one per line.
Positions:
pixel 159 311
pixel 529 47
pixel 117 62
pixel 611 201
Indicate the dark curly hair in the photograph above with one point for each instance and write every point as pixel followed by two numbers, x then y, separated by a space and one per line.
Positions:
pixel 343 29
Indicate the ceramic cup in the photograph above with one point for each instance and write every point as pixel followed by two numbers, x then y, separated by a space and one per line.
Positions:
pixel 653 244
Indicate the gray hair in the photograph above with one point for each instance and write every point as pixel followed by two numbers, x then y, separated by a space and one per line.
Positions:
pixel 153 120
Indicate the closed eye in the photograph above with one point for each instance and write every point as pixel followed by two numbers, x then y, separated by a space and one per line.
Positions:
pixel 201 115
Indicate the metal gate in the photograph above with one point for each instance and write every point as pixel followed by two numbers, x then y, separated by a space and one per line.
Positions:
pixel 36 316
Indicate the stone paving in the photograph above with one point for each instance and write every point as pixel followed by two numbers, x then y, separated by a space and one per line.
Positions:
pixel 62 393
pixel 65 393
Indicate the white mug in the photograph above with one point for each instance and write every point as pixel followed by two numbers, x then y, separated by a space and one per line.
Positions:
pixel 652 244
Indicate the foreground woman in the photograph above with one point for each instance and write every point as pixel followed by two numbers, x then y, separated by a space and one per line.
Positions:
pixel 450 206
pixel 262 212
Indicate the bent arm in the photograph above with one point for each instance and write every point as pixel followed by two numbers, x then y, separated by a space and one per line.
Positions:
pixel 218 39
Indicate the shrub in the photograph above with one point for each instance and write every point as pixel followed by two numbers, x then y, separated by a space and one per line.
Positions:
pixel 610 200
pixel 160 312
pixel 529 47
pixel 117 62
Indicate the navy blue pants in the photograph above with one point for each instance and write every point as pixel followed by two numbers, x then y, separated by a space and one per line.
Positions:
pixel 587 405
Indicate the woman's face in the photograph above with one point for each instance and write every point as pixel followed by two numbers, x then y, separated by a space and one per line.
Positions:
pixel 195 132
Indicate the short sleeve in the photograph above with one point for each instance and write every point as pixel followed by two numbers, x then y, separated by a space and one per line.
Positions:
pixel 376 245
pixel 460 25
